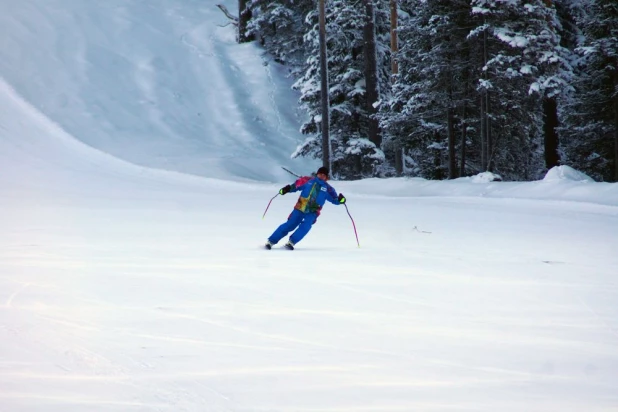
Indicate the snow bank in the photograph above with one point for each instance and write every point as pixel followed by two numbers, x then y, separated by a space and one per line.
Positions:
pixel 566 173
pixel 562 184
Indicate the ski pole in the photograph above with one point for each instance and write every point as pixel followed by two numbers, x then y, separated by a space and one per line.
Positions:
pixel 290 172
pixel 269 205
pixel 353 225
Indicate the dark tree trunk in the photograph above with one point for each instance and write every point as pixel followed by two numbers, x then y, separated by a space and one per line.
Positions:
pixel 452 159
pixel 616 130
pixel 324 88
pixel 464 126
pixel 394 72
pixel 490 139
pixel 399 161
pixel 244 15
pixel 462 150
pixel 394 39
pixel 371 72
pixel 483 135
pixel 550 123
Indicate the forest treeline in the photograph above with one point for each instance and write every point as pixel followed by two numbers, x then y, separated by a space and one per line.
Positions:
pixel 448 88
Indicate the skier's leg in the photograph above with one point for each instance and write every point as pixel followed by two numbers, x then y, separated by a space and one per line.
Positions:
pixel 304 228
pixel 293 221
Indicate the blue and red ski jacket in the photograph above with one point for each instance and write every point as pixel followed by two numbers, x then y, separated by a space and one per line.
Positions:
pixel 314 192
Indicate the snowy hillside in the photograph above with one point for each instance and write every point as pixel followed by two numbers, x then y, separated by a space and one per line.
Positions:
pixel 139 147
pixel 159 84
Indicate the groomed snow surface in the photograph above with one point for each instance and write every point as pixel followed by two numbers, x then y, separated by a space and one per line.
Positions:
pixel 132 276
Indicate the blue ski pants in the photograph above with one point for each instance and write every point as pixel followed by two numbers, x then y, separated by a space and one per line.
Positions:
pixel 297 219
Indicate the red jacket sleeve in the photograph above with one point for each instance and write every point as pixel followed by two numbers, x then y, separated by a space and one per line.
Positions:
pixel 301 181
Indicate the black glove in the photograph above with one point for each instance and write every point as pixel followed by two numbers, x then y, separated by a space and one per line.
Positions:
pixel 341 198
pixel 285 189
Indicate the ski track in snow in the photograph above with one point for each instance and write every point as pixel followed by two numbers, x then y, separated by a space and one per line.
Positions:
pixel 14 294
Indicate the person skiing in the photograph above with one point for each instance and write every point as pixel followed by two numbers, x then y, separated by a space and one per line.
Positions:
pixel 314 193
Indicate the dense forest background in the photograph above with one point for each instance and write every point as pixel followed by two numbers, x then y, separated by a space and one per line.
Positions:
pixel 448 88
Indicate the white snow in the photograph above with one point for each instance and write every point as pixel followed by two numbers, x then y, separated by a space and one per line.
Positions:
pixel 139 147
pixel 485 177
pixel 526 69
pixel 558 173
pixel 512 39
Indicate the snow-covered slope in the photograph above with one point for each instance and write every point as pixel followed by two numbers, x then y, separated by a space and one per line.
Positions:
pixel 155 83
pixel 128 285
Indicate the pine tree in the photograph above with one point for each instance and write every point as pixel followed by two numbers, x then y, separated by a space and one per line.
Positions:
pixel 591 120
pixel 244 15
pixel 278 24
pixel 353 154
pixel 431 91
pixel 481 84
pixel 524 72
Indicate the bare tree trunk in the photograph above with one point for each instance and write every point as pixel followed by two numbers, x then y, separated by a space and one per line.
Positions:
pixel 371 72
pixel 244 15
pixel 483 136
pixel 452 159
pixel 394 39
pixel 324 88
pixel 464 137
pixel 394 72
pixel 616 129
pixel 484 101
pixel 464 126
pixel 399 161
pixel 550 122
pixel 490 140
pixel 489 144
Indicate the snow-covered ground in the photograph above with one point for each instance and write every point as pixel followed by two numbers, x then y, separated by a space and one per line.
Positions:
pixel 139 147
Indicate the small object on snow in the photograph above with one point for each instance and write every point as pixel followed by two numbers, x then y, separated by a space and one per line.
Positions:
pixel 289 245
pixel 268 245
pixel 420 231
pixel 486 177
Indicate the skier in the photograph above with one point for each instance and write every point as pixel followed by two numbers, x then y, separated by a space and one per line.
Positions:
pixel 314 193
